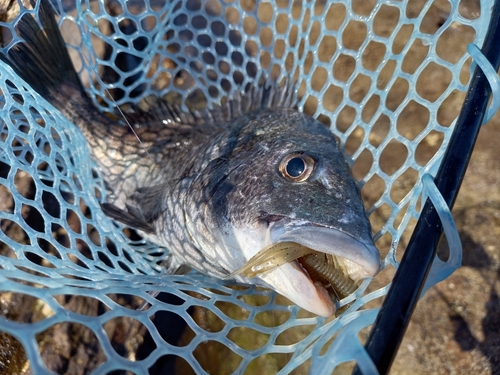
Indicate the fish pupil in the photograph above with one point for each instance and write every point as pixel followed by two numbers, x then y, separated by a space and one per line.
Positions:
pixel 295 167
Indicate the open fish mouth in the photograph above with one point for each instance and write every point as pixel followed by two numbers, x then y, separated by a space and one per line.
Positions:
pixel 313 266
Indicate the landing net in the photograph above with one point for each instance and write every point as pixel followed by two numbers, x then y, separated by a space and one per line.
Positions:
pixel 77 289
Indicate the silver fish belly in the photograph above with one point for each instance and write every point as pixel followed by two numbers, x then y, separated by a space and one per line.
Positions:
pixel 216 188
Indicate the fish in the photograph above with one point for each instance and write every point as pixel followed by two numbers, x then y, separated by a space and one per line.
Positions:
pixel 225 189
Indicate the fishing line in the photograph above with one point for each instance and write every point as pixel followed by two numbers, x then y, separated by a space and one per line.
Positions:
pixel 94 70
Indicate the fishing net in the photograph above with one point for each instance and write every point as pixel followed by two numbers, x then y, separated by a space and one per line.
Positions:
pixel 78 290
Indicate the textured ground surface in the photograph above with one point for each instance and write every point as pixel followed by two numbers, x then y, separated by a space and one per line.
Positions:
pixel 456 327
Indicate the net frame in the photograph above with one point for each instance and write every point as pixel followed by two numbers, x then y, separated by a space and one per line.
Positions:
pixel 123 284
pixel 409 282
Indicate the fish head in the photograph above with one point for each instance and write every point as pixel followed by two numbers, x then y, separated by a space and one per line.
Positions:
pixel 282 178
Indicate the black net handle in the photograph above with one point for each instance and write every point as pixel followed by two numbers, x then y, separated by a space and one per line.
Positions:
pixel 397 308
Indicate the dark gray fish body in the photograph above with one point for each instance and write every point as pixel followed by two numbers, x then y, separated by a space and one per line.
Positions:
pixel 218 188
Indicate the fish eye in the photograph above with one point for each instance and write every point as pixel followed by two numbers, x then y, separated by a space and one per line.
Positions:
pixel 296 167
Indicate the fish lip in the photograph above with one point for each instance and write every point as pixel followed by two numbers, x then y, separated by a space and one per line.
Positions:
pixel 332 241
pixel 294 283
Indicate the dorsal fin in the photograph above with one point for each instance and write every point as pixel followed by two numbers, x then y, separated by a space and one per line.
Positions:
pixel 155 111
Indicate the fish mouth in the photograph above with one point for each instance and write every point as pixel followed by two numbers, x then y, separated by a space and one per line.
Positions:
pixel 288 268
pixel 360 256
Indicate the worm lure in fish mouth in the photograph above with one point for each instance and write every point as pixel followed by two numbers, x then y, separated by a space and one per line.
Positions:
pixel 314 266
pixel 217 186
pixel 327 270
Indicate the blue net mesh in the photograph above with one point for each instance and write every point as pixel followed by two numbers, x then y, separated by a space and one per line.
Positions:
pixel 387 77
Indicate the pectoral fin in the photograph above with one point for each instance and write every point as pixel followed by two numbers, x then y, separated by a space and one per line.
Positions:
pixel 143 208
pixel 126 217
pixel 149 201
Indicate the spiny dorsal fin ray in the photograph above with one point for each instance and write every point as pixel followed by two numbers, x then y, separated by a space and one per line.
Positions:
pixel 155 111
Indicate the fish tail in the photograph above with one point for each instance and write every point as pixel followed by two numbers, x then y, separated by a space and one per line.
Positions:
pixel 42 59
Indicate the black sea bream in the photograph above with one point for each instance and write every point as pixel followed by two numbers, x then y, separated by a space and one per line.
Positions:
pixel 248 190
